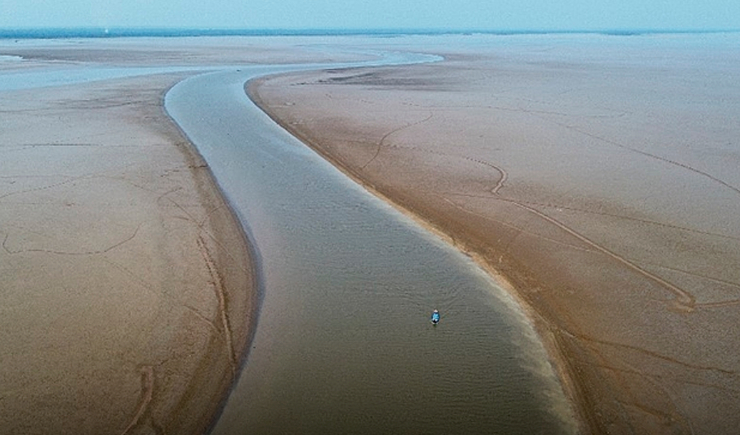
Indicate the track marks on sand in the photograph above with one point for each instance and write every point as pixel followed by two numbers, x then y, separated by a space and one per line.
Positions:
pixel 147 392
pixel 223 324
pixel 683 300
pixel 218 288
pixel 49 251
pixel 385 137
pixel 644 153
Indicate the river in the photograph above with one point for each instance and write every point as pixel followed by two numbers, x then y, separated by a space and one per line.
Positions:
pixel 343 342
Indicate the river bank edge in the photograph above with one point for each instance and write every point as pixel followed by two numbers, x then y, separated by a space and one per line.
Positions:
pixel 235 228
pixel 134 276
pixel 557 353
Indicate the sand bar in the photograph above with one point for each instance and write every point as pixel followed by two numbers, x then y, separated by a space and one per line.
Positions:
pixel 597 174
pixel 121 266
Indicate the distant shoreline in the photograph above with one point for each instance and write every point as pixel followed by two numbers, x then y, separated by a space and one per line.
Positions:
pixel 123 32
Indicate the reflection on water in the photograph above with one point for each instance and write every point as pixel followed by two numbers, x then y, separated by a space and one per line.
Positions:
pixel 344 343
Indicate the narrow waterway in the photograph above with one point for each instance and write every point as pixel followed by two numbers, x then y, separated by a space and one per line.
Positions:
pixel 343 342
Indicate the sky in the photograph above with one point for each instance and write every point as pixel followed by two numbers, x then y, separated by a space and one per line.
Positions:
pixel 489 15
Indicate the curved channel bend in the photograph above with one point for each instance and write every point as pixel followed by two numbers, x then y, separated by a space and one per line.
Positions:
pixel 344 343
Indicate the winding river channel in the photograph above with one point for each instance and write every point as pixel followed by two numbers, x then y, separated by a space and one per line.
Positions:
pixel 343 342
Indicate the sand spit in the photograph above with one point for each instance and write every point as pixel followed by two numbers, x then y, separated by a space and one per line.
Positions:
pixel 127 285
pixel 598 177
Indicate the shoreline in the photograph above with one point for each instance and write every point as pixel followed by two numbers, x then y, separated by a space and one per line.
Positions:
pixel 255 290
pixel 558 359
pixel 142 285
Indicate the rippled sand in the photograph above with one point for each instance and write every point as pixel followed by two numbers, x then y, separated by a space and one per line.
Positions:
pixel 597 174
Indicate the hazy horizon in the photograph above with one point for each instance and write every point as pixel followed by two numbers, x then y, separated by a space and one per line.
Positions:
pixel 472 15
pixel 96 32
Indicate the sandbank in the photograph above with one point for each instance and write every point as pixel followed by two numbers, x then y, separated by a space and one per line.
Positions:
pixel 128 289
pixel 596 176
pixel 129 293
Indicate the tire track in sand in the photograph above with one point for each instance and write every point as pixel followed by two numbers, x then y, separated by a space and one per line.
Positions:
pixel 684 300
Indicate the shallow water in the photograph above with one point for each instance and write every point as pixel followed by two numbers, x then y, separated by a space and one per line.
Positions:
pixel 344 343
pixel 48 76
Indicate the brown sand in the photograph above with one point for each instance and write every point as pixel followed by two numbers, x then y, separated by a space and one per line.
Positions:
pixel 603 187
pixel 126 282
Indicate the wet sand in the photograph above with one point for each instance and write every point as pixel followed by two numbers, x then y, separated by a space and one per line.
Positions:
pixel 597 175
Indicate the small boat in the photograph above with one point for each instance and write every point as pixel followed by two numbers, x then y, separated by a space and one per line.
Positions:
pixel 435 317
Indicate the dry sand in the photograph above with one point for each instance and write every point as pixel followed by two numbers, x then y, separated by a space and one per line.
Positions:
pixel 127 286
pixel 598 177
